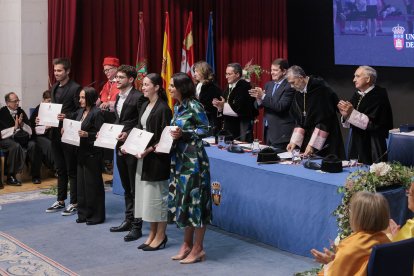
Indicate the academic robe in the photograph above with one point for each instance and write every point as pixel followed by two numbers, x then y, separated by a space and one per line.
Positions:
pixel 315 115
pixel 369 145
pixel 352 254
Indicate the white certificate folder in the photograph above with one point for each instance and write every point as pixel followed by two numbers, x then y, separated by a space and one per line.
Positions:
pixel 137 141
pixel 108 134
pixel 48 113
pixel 71 132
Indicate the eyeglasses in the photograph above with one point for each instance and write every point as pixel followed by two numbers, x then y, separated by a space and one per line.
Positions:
pixel 120 77
pixel 15 101
pixel 109 69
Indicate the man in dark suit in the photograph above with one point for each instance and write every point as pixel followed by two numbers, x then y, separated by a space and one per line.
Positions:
pixel 15 135
pixel 66 92
pixel 237 107
pixel 276 99
pixel 127 106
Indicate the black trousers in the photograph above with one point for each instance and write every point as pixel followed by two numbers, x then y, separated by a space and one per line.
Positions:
pixel 17 155
pixel 127 166
pixel 45 146
pixel 64 157
pixel 91 193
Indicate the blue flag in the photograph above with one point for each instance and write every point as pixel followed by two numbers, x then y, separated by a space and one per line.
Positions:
pixel 210 44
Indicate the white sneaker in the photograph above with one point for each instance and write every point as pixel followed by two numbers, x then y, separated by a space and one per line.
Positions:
pixel 70 210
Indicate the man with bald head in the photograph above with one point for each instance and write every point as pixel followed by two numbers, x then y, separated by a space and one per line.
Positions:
pixel 368 113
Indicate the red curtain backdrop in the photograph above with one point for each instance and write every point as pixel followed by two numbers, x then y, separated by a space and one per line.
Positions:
pixel 243 29
pixel 61 30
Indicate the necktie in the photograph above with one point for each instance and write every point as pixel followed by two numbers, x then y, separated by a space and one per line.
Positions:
pixel 275 87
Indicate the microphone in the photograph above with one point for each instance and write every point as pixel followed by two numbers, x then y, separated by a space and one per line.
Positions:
pixel 380 158
pixel 236 148
pixel 313 165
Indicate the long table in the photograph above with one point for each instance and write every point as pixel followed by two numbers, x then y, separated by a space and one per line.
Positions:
pixel 286 206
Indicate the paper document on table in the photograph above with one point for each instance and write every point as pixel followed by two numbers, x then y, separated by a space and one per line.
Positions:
pixel 137 141
pixel 405 133
pixel 166 141
pixel 227 110
pixel 108 134
pixel 48 113
pixel 285 155
pixel 71 132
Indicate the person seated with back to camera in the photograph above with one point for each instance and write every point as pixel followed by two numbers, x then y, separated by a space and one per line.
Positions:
pixel 369 217
pixel 397 233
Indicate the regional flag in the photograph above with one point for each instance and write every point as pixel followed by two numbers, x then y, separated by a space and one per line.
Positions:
pixel 210 44
pixel 167 65
pixel 142 60
pixel 187 59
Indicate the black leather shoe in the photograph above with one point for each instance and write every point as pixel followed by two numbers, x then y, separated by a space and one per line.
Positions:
pixel 93 222
pixel 12 181
pixel 36 180
pixel 78 220
pixel 125 226
pixel 133 235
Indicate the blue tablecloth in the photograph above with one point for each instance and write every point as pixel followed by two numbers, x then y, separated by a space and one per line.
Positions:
pixel 401 149
pixel 286 206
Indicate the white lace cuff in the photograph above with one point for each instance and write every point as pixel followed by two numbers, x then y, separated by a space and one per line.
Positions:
pixel 318 138
pixel 358 119
pixel 297 136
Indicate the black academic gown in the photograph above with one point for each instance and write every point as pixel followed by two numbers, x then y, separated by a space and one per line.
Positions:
pixel 320 104
pixel 91 194
pixel 370 145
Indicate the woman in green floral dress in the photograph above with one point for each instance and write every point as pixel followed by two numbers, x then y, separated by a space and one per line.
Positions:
pixel 190 194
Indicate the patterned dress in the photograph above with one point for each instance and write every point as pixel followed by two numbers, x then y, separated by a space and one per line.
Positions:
pixel 189 190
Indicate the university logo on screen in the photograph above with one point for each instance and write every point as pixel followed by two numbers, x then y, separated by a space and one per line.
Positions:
pixel 401 40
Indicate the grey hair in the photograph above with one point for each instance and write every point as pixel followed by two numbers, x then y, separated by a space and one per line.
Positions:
pixel 296 71
pixel 371 72
pixel 236 67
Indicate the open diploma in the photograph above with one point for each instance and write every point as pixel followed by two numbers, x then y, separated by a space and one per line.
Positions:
pixel 166 141
pixel 108 135
pixel 71 132
pixel 137 141
pixel 48 113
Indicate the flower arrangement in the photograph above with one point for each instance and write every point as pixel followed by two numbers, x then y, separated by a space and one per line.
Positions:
pixel 253 70
pixel 379 176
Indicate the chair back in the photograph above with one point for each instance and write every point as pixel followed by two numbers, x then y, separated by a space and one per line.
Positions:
pixel 392 259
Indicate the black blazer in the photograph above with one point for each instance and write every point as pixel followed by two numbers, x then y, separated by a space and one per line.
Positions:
pixel 130 109
pixel 7 120
pixel 156 166
pixel 241 101
pixel 276 107
pixel 91 124
pixel 69 101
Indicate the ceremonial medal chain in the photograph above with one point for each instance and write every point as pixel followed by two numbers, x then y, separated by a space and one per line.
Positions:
pixel 304 104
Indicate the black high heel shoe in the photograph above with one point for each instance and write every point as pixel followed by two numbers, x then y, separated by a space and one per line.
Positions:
pixel 160 246
pixel 142 246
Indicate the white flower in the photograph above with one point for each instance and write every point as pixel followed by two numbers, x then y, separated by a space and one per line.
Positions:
pixel 337 240
pixel 380 169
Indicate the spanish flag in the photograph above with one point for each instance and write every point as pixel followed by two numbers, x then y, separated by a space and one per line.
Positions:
pixel 187 58
pixel 167 65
